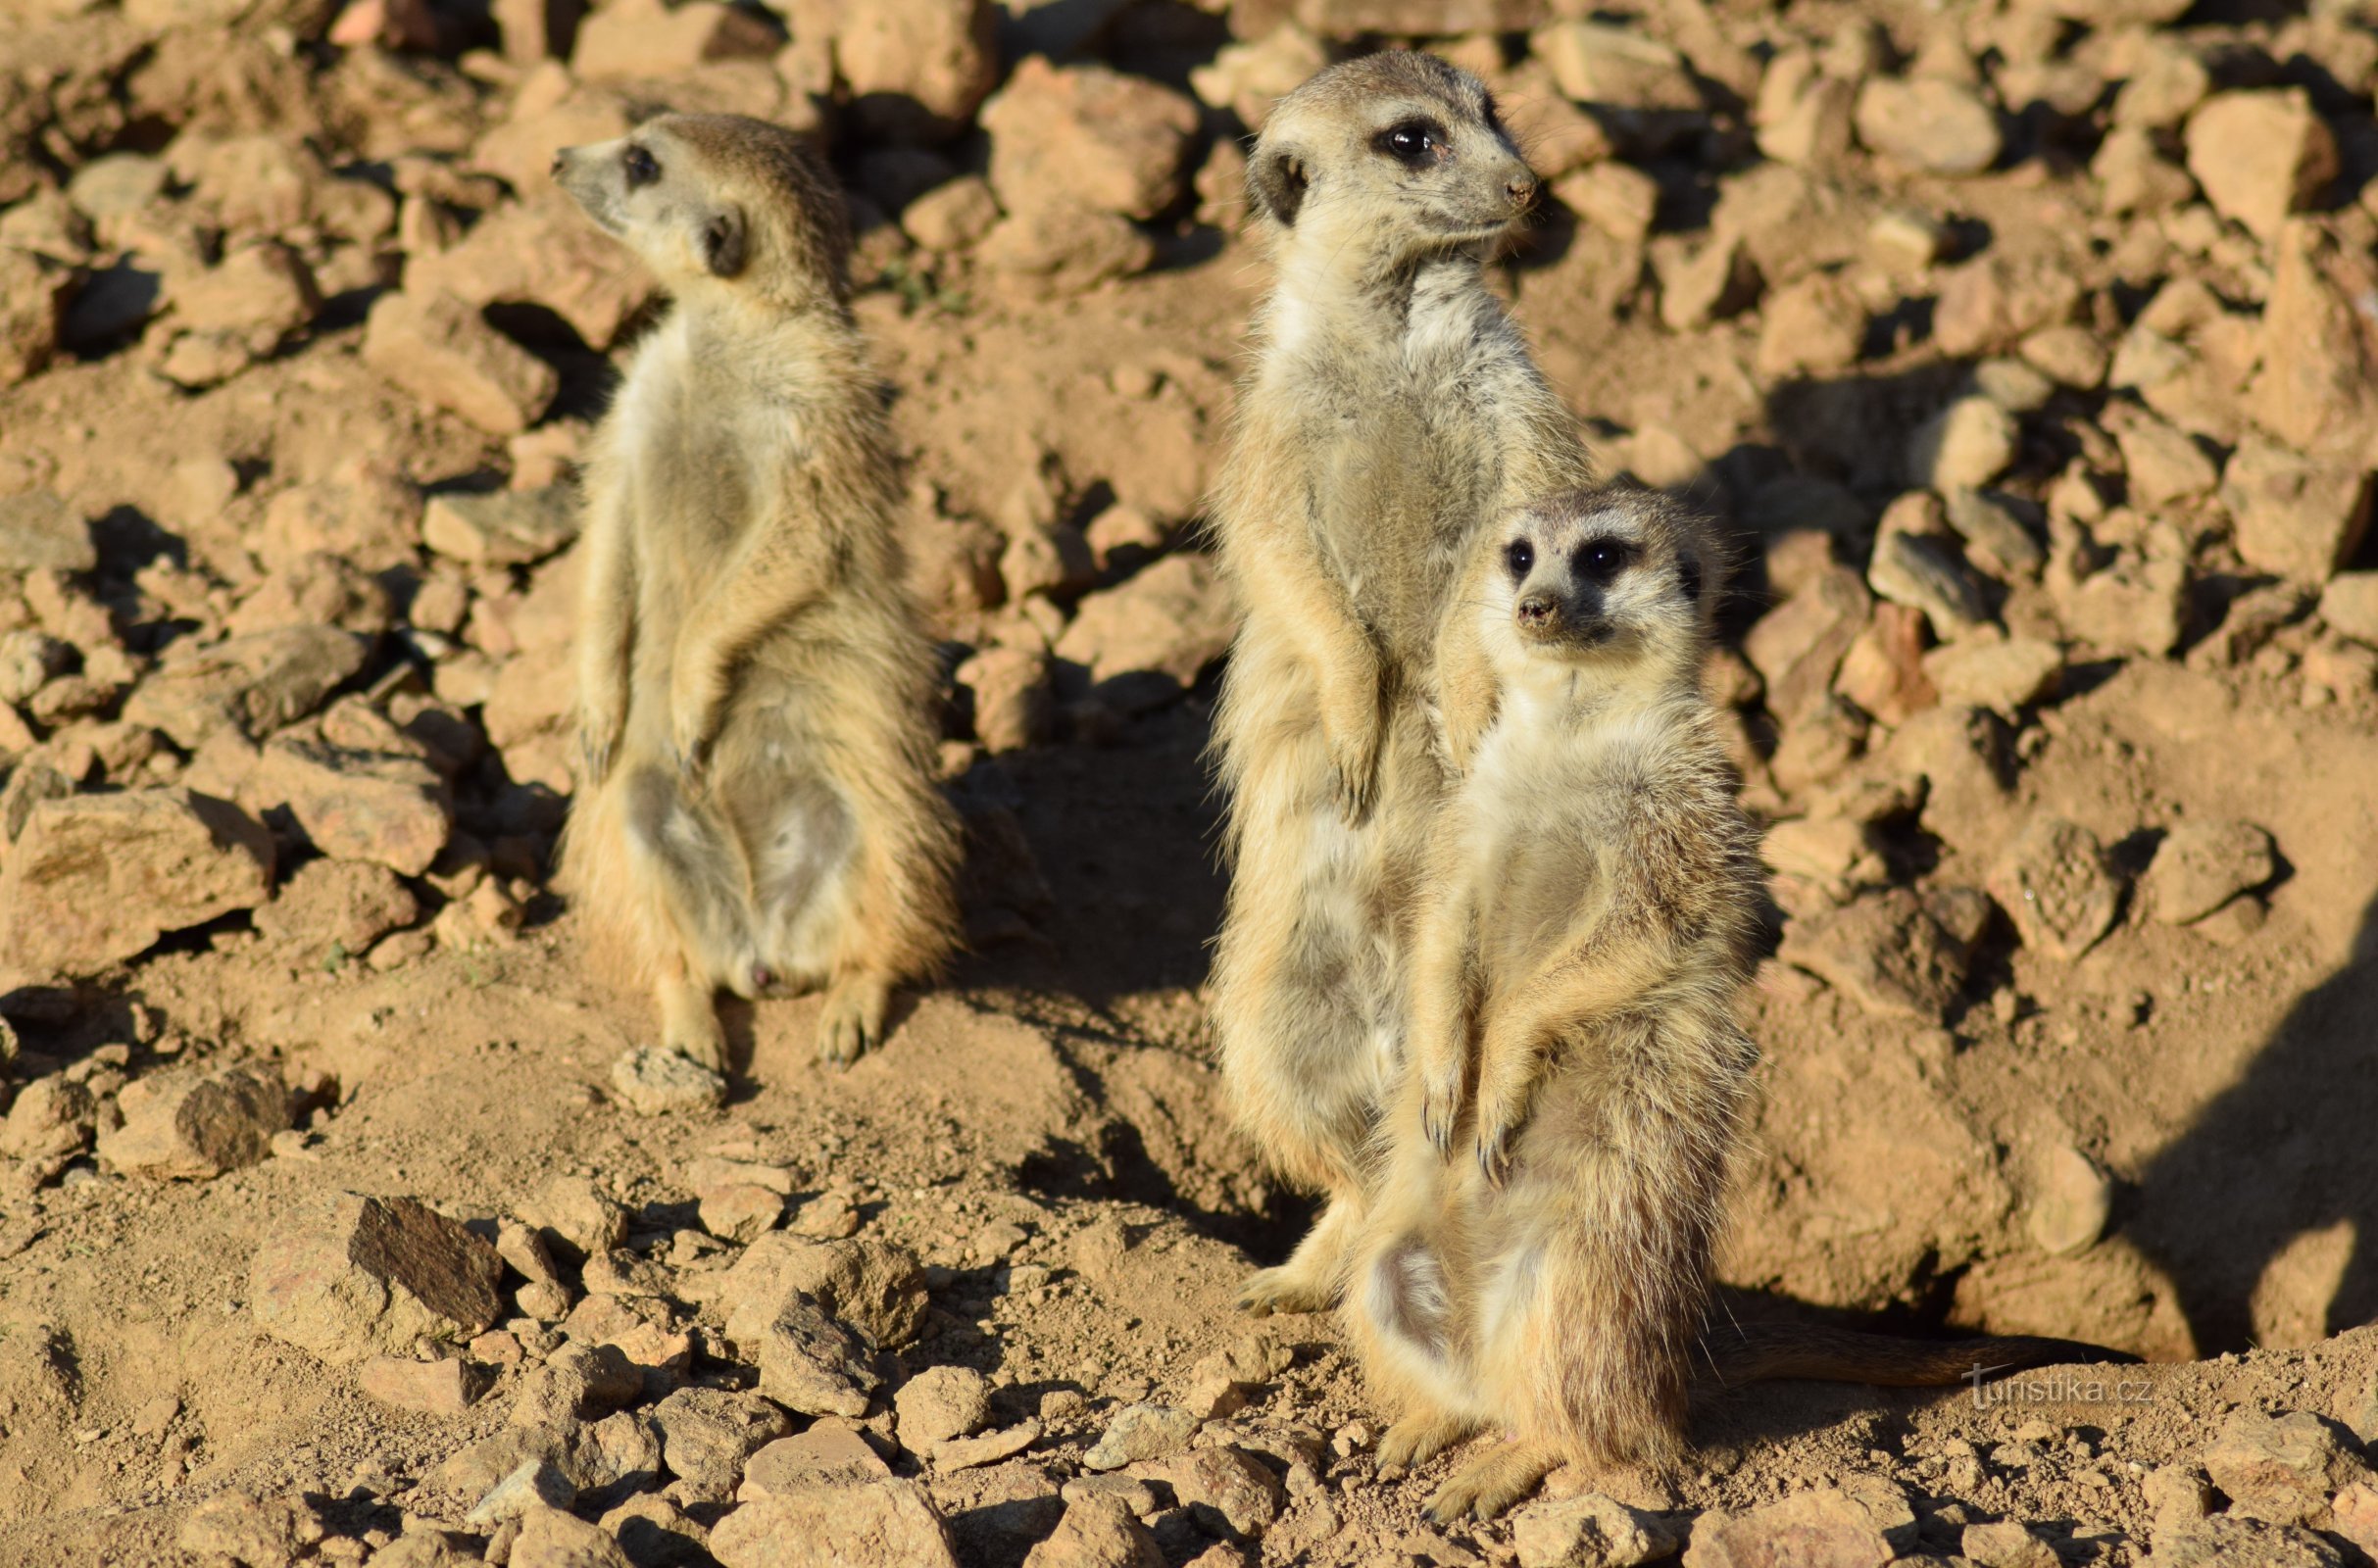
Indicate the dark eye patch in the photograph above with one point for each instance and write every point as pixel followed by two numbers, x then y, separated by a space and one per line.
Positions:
pixel 1519 557
pixel 1602 559
pixel 642 168
pixel 1688 574
pixel 1414 143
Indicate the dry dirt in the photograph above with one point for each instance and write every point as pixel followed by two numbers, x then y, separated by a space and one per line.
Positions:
pixel 1750 286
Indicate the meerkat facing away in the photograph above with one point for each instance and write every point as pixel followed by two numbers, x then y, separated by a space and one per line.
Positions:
pixel 1392 405
pixel 755 807
pixel 1590 916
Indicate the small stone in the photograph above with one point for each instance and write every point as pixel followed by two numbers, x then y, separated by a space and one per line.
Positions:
pixel 443 351
pixel 1095 1532
pixel 2202 865
pixel 874 1286
pixel 576 1382
pixel 429 1388
pixel 2134 604
pixel 2071 1206
pixel 501 528
pixel 94 879
pixel 1927 123
pixel 1228 1484
pixel 2053 882
pixel 2227 1541
pixel 653 1081
pixel 2297 517
pixel 1995 300
pixel 2317 391
pixel 254 684
pixel 574 1217
pixel 1589 1531
pixel 344 1275
pixel 881 1524
pixel 2006 1544
pixel 341 905
pixel 49 1118
pixel 965 1453
pixel 1965 445
pixel 1086 138
pixel 941 1403
pixel 1618 199
pixel 1804 113
pixel 1799 644
pixel 952 216
pixel 34 295
pixel 537 1484
pixel 2283 1469
pixel 2176 1496
pixel 709 1435
pixel 2261 156
pixel 1055 560
pixel 1140 1432
pixel 2005 676
pixel 1617 69
pixel 190 1125
pixel 39 532
pixel 1885 952
pixel 1822 1528
pixel 257 1532
pixel 2163 464
pixel 387 807
pixel 2350 605
pixel 1991 528
pixel 1172 619
pixel 917 70
pixel 1716 282
pixel 828 1217
pixel 641 39
pixel 1925 571
pixel 1816 326
pixel 740 1211
pixel 829 1453
pixel 812 1364
pixel 552 1539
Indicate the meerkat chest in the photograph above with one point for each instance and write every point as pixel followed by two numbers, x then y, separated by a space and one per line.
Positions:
pixel 1542 804
pixel 692 449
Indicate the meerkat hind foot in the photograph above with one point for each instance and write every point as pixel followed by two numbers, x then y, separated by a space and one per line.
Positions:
pixel 1493 1482
pixel 689 1024
pixel 852 1021
pixel 1418 1438
pixel 1285 1289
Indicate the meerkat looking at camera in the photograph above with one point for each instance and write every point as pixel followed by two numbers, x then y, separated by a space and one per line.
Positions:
pixel 1539 1258
pixel 1391 406
pixel 755 806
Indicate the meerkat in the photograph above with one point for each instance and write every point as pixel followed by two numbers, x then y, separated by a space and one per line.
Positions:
pixel 755 809
pixel 1590 913
pixel 1391 404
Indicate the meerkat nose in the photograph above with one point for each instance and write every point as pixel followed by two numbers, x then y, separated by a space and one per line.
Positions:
pixel 1535 607
pixel 561 156
pixel 1522 188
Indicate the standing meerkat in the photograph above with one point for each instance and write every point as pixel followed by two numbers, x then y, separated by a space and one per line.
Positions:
pixel 1392 405
pixel 755 804
pixel 1589 916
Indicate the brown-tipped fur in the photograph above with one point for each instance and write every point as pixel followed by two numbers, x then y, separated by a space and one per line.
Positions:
pixel 1392 405
pixel 1539 1260
pixel 756 804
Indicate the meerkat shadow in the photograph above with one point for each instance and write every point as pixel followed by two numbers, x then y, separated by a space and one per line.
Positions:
pixel 2265 1211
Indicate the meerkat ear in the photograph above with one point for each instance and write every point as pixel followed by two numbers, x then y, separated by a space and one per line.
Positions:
pixel 1275 184
pixel 722 241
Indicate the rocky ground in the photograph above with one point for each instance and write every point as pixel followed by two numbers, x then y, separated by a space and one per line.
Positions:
pixel 2027 347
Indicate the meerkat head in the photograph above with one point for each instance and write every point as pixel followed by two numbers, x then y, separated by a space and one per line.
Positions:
pixel 1396 150
pixel 1612 577
pixel 711 198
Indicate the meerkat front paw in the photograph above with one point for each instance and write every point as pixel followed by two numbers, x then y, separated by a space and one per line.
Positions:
pixel 852 1021
pixel 1441 1110
pixel 1353 761
pixel 1491 1483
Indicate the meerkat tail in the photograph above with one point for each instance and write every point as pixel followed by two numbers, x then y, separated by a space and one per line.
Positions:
pixel 1734 1354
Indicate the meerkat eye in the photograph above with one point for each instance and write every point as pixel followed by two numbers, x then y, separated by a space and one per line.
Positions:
pixel 1411 142
pixel 1521 556
pixel 1601 559
pixel 642 168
